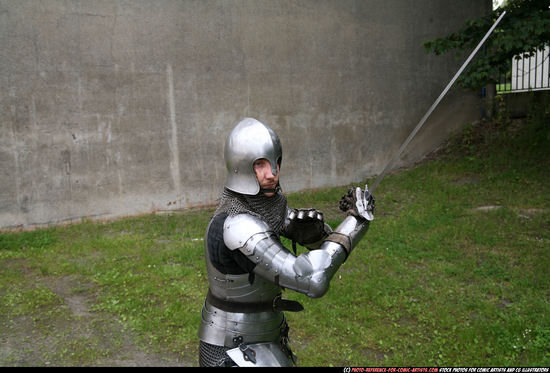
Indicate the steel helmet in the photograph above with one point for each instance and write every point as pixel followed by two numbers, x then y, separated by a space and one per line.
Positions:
pixel 249 141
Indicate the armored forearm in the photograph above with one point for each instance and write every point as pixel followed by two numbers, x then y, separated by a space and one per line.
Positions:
pixel 349 233
pixel 309 273
pixel 312 272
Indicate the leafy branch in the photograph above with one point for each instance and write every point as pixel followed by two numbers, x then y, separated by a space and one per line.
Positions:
pixel 524 29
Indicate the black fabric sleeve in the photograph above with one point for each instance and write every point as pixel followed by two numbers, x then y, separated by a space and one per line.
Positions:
pixel 224 260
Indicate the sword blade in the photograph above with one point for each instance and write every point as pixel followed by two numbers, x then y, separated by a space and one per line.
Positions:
pixel 434 105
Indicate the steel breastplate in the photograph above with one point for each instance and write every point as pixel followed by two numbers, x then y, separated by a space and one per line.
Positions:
pixel 237 288
pixel 220 327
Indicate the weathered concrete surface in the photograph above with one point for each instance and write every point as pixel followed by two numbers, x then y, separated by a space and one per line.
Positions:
pixel 519 104
pixel 112 108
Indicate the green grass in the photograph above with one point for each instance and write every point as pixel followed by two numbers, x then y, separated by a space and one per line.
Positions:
pixel 453 272
pixel 504 87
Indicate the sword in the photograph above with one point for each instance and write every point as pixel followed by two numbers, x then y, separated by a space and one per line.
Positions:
pixel 430 110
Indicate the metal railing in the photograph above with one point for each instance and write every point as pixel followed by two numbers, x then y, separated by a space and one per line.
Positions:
pixel 527 73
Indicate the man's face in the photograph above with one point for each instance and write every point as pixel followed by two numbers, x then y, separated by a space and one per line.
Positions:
pixel 265 176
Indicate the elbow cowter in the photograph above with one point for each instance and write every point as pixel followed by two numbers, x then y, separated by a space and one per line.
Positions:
pixel 319 285
pixel 314 270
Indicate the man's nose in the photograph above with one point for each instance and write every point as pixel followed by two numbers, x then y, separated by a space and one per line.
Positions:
pixel 269 172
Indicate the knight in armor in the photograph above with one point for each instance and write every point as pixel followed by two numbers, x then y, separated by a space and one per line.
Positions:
pixel 242 319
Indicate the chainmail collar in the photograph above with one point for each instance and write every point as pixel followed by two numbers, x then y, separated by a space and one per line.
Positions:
pixel 270 209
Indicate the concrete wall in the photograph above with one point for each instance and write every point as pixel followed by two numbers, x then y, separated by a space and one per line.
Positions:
pixel 519 104
pixel 120 107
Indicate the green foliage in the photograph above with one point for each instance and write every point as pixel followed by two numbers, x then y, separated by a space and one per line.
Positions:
pixel 28 240
pixel 524 29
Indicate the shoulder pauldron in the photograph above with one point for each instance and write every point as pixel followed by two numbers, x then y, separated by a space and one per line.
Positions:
pixel 244 231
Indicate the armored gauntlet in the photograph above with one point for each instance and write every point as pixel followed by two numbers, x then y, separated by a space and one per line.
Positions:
pixel 359 206
pixel 306 227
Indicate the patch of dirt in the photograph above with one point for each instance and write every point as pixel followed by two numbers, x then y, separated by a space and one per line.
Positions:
pixel 76 301
pixel 530 212
pixel 527 213
pixel 376 356
pixel 487 208
pixel 49 339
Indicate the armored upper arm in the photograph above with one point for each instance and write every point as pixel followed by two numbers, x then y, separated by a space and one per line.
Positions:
pixel 309 273
pixel 243 231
